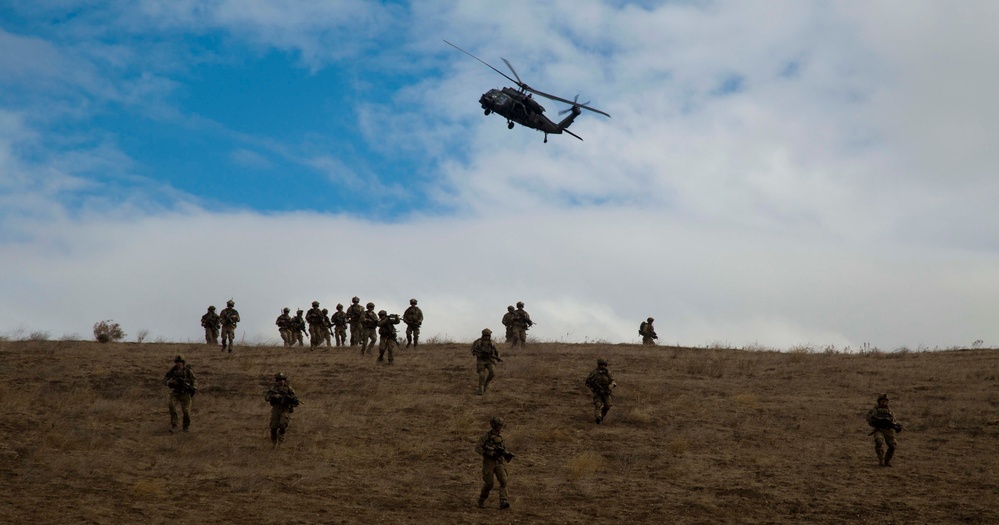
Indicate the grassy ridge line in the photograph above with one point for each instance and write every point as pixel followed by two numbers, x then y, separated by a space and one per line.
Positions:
pixel 697 435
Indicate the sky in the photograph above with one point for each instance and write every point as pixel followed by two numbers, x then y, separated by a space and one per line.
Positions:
pixel 774 174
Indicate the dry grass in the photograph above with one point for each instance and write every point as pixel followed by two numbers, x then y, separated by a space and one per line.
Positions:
pixel 706 435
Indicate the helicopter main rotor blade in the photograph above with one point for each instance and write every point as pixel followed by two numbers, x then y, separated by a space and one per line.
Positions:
pixel 570 102
pixel 487 64
pixel 514 71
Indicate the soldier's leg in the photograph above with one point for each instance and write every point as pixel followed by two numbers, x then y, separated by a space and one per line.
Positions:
pixel 488 466
pixel 285 420
pixel 326 337
pixel 509 334
pixel 185 405
pixel 372 340
pixel 353 334
pixel 598 406
pixel 416 336
pixel 208 335
pixel 879 447
pixel 381 349
pixel 480 369
pixel 172 406
pixel 892 445
pixel 275 424
pixel 409 335
pixel 215 335
pixel 491 373
pixel 607 401
pixel 502 478
pixel 392 344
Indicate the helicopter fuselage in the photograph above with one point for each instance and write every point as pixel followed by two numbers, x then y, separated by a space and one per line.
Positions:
pixel 522 109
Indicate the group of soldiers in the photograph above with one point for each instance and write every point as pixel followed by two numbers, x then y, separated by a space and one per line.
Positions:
pixel 225 321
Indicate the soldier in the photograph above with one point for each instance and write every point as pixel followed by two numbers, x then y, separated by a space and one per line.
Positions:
pixel 211 323
pixel 386 329
pixel 283 402
pixel 316 325
pixel 648 332
pixel 339 320
pixel 297 329
pixel 368 332
pixel 494 460
pixel 508 323
pixel 327 327
pixel 354 313
pixel 229 318
pixel 486 357
pixel 602 385
pixel 183 386
pixel 283 323
pixel 885 427
pixel 414 319
pixel 521 322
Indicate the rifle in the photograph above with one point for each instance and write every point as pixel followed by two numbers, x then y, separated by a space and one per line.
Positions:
pixel 499 451
pixel 883 423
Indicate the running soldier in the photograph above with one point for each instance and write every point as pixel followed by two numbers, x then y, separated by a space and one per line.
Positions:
pixel 316 325
pixel 521 323
pixel 413 317
pixel 327 327
pixel 508 323
pixel 183 386
pixel 882 420
pixel 368 333
pixel 211 323
pixel 283 323
pixel 602 385
pixel 283 402
pixel 297 329
pixel 339 320
pixel 387 333
pixel 354 314
pixel 494 460
pixel 486 357
pixel 648 332
pixel 229 318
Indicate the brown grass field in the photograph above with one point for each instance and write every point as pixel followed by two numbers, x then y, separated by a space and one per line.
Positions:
pixel 696 436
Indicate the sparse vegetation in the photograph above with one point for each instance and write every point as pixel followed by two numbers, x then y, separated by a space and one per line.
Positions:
pixel 696 436
pixel 141 336
pixel 108 332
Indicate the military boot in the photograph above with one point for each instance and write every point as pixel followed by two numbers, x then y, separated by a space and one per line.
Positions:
pixel 889 455
pixel 881 455
pixel 482 503
pixel 504 505
pixel 416 342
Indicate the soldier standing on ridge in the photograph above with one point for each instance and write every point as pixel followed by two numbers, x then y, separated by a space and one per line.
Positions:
pixel 229 318
pixel 413 317
pixel 339 320
pixel 521 322
pixel 327 327
pixel 386 329
pixel 369 329
pixel 211 323
pixel 885 427
pixel 494 460
pixel 508 323
pixel 316 325
pixel 283 323
pixel 297 328
pixel 602 385
pixel 183 386
pixel 283 402
pixel 648 332
pixel 486 357
pixel 354 314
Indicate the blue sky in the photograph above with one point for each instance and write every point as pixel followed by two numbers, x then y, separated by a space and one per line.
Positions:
pixel 775 173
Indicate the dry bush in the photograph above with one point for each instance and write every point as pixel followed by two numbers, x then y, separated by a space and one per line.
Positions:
pixel 108 332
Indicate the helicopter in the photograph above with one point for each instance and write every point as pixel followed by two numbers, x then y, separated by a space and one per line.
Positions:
pixel 517 105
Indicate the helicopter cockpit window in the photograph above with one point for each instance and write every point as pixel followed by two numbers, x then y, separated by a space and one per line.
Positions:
pixel 501 99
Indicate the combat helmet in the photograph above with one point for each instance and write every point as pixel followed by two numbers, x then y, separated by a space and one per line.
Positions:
pixel 315 303
pixel 487 332
pixel 299 311
pixel 371 306
pixel 651 319
pixel 601 361
pixel 211 308
pixel 510 308
pixel 339 306
pixel 382 313
pixel 179 359
pixel 280 375
pixel 412 301
pixel 883 396
pixel 287 310
pixel 520 304
pixel 496 422
pixel 355 300
pixel 325 311
pixel 230 302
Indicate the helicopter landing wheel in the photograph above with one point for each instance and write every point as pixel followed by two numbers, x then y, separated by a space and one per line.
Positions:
pixel 509 125
pixel 546 139
pixel 486 112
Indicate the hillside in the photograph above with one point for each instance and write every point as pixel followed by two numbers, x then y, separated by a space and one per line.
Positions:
pixel 696 436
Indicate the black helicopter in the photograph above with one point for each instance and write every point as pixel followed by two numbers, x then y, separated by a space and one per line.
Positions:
pixel 517 105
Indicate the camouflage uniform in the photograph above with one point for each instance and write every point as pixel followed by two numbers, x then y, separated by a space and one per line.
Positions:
pixel 183 386
pixel 508 323
pixel 354 314
pixel 386 329
pixel 211 323
pixel 229 318
pixel 283 323
pixel 521 322
pixel 413 317
pixel 885 427
pixel 648 332
pixel 494 460
pixel 339 320
pixel 327 327
pixel 486 357
pixel 368 333
pixel 602 385
pixel 297 329
pixel 316 325
pixel 283 402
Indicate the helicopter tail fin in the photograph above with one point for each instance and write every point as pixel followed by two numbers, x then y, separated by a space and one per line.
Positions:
pixel 567 121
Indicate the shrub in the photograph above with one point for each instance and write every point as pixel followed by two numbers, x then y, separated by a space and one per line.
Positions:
pixel 108 332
